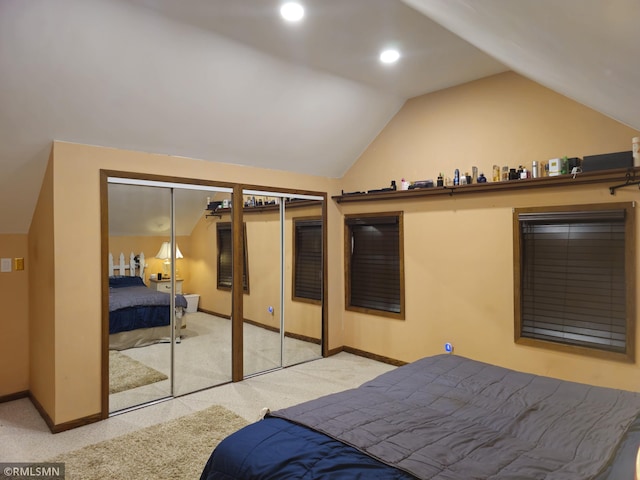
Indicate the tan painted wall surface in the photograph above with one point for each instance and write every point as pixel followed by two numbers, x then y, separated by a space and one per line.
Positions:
pixel 458 250
pixel 14 321
pixel 77 242
pixel 263 251
pixel 41 261
pixel 504 119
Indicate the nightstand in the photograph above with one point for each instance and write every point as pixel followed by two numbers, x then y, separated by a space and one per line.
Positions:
pixel 165 285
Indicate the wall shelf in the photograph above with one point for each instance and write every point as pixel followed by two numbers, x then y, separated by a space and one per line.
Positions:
pixel 265 208
pixel 628 176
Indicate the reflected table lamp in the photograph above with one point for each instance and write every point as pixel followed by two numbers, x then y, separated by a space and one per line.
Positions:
pixel 165 254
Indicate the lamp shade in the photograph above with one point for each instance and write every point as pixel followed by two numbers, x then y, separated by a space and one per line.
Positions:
pixel 165 251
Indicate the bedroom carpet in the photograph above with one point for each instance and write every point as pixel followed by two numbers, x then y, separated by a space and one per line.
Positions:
pixel 126 373
pixel 177 449
pixel 25 437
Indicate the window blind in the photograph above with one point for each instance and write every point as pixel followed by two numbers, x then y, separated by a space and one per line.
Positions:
pixel 375 263
pixel 308 259
pixel 573 278
pixel 225 259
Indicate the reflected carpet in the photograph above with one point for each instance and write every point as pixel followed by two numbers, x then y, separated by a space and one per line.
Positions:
pixel 126 373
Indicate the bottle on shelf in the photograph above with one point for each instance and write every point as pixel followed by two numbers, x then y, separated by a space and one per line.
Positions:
pixel 496 173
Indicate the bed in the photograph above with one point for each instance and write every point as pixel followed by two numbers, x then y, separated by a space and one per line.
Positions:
pixel 139 315
pixel 443 418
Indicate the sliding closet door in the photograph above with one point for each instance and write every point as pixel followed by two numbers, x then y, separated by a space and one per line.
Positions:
pixel 283 302
pixel 174 335
pixel 139 367
pixel 262 284
pixel 183 241
pixel 304 255
pixel 202 356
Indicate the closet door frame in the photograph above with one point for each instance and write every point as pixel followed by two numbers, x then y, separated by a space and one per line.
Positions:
pixel 238 261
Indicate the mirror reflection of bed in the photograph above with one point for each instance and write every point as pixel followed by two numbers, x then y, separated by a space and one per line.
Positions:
pixel 202 350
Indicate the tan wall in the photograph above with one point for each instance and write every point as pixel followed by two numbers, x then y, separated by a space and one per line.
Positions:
pixel 14 321
pixel 458 250
pixel 263 252
pixel 204 272
pixel 77 242
pixel 41 261
pixel 504 119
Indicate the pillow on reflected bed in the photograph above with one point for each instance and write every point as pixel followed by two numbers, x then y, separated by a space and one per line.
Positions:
pixel 124 281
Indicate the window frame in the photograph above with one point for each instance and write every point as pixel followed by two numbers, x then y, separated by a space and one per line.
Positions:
pixel 302 222
pixel 226 226
pixel 375 218
pixel 629 274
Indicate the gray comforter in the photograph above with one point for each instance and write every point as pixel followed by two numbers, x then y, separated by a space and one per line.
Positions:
pixel 447 417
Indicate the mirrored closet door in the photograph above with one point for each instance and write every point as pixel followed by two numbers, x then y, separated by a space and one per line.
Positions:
pixel 176 334
pixel 174 255
pixel 139 335
pixel 202 358
pixel 283 300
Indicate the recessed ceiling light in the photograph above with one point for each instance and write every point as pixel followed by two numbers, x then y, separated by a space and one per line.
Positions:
pixel 389 56
pixel 292 11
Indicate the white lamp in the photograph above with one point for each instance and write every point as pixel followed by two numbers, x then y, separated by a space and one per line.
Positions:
pixel 165 254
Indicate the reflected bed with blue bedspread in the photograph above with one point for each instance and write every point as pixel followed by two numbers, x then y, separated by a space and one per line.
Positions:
pixel 135 307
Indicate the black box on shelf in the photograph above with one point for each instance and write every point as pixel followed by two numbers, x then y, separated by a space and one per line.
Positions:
pixel 607 161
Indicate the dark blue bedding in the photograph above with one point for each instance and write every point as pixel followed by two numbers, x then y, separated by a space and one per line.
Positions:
pixel 278 449
pixel 133 318
pixel 133 305
pixel 275 448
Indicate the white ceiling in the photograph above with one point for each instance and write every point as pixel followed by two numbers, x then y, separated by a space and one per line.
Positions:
pixel 227 80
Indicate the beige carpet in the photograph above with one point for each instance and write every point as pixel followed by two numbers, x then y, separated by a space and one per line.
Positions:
pixel 178 449
pixel 126 373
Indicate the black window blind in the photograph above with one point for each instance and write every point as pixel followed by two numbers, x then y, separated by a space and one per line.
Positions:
pixel 375 263
pixel 225 259
pixel 308 259
pixel 573 278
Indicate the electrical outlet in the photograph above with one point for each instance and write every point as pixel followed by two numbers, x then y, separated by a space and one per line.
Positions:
pixel 18 264
pixel 5 265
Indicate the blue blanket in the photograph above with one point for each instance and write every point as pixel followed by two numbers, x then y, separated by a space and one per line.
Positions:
pixel 275 449
pixel 133 305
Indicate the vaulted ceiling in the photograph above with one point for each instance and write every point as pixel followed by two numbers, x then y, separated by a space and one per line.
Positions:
pixel 229 81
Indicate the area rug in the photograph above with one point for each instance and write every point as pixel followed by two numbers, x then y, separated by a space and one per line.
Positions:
pixel 177 449
pixel 126 373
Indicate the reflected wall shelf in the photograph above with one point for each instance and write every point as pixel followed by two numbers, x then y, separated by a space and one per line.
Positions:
pixel 265 208
pixel 625 175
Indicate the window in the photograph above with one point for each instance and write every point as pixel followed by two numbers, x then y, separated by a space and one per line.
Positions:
pixel 307 260
pixel 374 264
pixel 574 278
pixel 223 235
